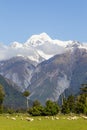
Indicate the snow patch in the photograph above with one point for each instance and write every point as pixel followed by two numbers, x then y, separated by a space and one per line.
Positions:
pixel 42 54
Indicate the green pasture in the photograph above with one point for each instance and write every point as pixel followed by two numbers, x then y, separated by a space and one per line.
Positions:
pixel 41 123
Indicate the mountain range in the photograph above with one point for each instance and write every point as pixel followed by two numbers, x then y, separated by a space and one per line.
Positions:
pixel 45 67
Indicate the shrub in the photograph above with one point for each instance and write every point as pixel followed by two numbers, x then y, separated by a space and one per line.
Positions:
pixel 51 108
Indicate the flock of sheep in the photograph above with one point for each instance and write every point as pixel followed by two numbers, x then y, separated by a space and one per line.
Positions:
pixel 27 118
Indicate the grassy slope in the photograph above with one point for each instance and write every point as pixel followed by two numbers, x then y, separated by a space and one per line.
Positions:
pixel 44 124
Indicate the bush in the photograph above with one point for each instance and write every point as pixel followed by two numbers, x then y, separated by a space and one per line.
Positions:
pixel 36 111
pixel 10 111
pixel 51 108
pixel 65 108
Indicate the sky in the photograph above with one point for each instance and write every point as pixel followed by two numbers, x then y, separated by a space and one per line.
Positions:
pixel 60 19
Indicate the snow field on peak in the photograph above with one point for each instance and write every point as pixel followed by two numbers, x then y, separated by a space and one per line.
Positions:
pixel 37 47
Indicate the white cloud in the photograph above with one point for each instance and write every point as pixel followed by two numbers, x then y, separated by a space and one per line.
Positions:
pixel 43 46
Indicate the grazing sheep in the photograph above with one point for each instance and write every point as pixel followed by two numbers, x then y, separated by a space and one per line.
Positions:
pixel 47 117
pixel 69 118
pixel 57 118
pixel 13 118
pixel 72 118
pixel 52 118
pixel 29 119
pixel 84 117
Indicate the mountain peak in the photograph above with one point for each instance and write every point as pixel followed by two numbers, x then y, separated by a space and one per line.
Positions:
pixel 45 36
pixel 74 44
pixel 38 39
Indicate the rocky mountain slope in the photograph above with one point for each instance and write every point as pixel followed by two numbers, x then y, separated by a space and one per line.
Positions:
pixel 46 67
pixel 18 70
pixel 13 98
pixel 62 74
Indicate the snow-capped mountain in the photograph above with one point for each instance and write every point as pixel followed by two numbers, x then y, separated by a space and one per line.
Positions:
pixel 37 48
pixel 43 63
pixel 36 40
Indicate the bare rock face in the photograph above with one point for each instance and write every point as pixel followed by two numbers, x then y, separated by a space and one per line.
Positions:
pixel 13 98
pixel 62 74
pixel 18 70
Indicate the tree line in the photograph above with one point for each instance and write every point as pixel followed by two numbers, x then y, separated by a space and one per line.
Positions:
pixel 71 104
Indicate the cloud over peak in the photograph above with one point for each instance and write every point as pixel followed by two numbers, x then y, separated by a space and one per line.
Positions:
pixel 35 48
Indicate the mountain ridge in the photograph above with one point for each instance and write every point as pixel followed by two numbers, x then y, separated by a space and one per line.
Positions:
pixel 35 48
pixel 59 75
pixel 42 64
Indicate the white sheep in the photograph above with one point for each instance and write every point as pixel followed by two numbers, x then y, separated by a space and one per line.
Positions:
pixel 57 118
pixel 72 118
pixel 29 119
pixel 13 118
pixel 52 118
pixel 47 117
pixel 84 117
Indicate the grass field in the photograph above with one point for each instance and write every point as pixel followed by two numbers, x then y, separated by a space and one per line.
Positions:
pixel 19 122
